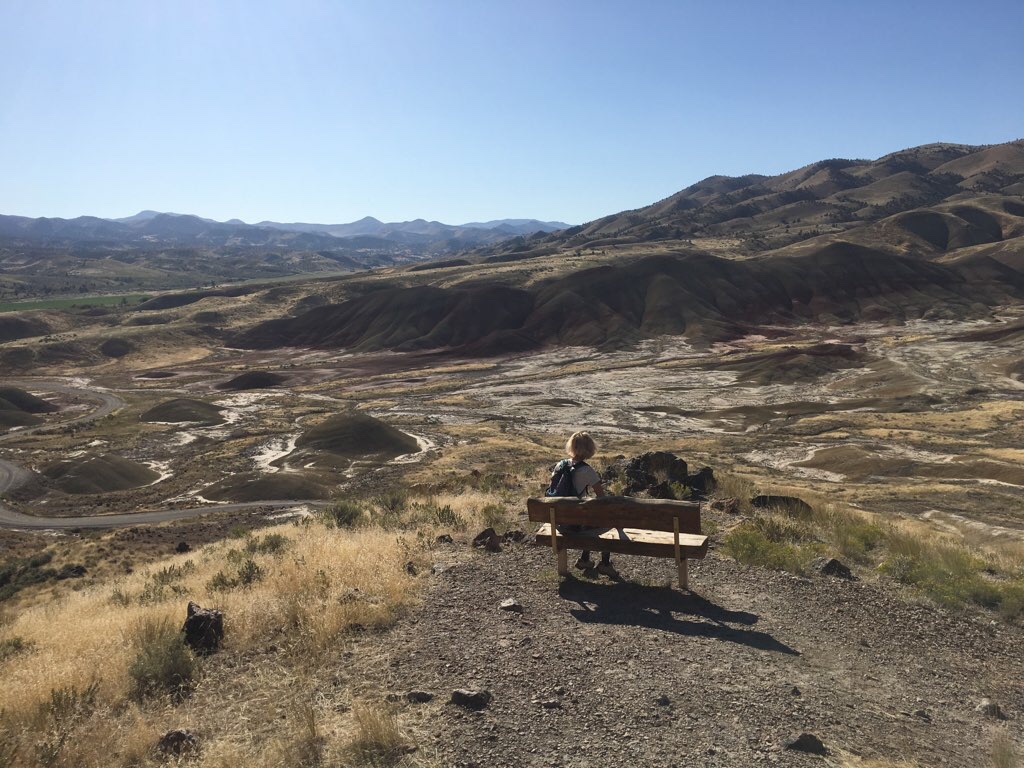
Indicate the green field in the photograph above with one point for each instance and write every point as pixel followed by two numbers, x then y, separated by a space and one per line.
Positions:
pixel 73 302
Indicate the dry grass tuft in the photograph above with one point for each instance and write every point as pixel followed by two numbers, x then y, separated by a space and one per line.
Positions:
pixel 377 738
pixel 1004 752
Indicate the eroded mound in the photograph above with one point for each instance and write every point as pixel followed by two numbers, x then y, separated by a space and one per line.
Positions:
pixel 13 398
pixel 357 435
pixel 253 380
pixel 278 487
pixel 698 295
pixel 99 474
pixel 116 347
pixel 183 410
pixel 794 364
pixel 12 328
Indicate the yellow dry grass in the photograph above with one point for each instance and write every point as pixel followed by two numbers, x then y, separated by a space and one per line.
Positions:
pixel 306 599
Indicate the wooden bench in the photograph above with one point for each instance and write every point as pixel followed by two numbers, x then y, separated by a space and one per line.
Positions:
pixel 630 526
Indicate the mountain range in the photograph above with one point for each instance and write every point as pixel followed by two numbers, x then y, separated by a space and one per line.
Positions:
pixel 933 232
pixel 148 229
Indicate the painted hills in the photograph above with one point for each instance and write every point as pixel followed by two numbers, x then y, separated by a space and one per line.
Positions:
pixel 935 232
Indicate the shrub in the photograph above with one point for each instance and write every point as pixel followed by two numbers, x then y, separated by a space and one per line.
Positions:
pixel 249 572
pixel 448 518
pixel 343 514
pixel 12 646
pixel 495 516
pixel 747 544
pixel 271 544
pixel 162 663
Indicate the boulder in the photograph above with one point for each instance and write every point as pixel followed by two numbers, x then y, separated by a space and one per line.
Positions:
pixel 487 539
pixel 805 742
pixel 203 628
pixel 730 506
pixel 471 699
pixel 701 483
pixel 182 547
pixel 829 566
pixel 651 473
pixel 511 604
pixel 419 697
pixel 514 536
pixel 989 709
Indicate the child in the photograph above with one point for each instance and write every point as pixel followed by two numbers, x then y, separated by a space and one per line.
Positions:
pixel 580 447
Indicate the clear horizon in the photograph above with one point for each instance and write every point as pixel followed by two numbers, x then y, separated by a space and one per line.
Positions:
pixel 463 112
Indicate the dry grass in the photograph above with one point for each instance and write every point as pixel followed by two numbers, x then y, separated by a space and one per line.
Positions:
pixel 74 672
pixel 1004 752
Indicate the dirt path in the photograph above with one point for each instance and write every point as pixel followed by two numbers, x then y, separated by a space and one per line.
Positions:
pixel 749 659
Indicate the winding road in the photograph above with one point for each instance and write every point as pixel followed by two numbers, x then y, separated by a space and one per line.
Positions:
pixel 13 476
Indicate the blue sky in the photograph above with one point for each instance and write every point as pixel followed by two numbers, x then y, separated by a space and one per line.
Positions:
pixel 474 109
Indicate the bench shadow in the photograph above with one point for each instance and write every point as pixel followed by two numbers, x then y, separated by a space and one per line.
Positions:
pixel 637 605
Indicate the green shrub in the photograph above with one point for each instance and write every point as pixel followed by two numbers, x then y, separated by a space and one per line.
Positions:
pixel 249 572
pixel 343 514
pixel 271 544
pixel 162 663
pixel 448 518
pixel 748 544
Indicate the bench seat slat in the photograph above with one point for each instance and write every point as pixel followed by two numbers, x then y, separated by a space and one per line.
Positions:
pixel 612 511
pixel 629 541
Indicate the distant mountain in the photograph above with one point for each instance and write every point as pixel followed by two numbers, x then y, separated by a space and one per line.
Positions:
pixel 430 231
pixel 933 232
pixel 824 199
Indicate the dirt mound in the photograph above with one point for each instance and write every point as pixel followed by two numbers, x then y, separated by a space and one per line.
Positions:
pixel 1002 332
pixel 116 347
pixel 209 316
pixel 696 294
pixel 943 231
pixel 157 375
pixel 438 265
pixel 98 474
pixel 13 327
pixel 254 380
pixel 860 463
pixel 278 487
pixel 793 364
pixel 357 435
pixel 183 410
pixel 12 398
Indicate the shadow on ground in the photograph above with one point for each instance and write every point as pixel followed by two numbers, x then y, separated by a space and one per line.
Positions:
pixel 665 609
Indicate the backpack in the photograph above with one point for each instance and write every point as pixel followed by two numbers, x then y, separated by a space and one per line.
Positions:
pixel 561 480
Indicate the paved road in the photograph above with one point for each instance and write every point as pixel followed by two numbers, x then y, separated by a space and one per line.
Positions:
pixel 13 476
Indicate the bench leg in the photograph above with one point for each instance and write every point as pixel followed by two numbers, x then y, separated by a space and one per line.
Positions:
pixel 684 581
pixel 563 561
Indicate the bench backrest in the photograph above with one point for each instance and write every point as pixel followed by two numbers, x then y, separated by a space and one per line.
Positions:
pixel 617 512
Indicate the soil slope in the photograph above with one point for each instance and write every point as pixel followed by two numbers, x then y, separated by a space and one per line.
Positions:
pixel 646 675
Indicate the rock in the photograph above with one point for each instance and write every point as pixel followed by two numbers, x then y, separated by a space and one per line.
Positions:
pixel 701 483
pixel 183 547
pixel 551 704
pixel 990 709
pixel 71 571
pixel 923 715
pixel 203 628
pixel 794 691
pixel 177 742
pixel 663 701
pixel 511 604
pixel 805 742
pixel 445 538
pixel 789 504
pixel 471 699
pixel 560 690
pixel 829 566
pixel 515 535
pixel 439 568
pixel 730 506
pixel 652 473
pixel 419 697
pixel 410 568
pixel 487 539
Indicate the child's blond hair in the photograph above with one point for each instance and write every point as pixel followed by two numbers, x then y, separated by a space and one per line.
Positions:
pixel 580 446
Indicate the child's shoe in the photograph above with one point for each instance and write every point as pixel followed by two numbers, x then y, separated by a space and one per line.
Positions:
pixel 607 569
pixel 584 563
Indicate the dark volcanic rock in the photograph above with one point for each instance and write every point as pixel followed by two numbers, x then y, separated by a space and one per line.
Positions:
pixel 177 742
pixel 790 504
pixel 652 473
pixel 487 539
pixel 419 697
pixel 203 628
pixel 805 742
pixel 702 482
pixel 832 567
pixel 471 699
